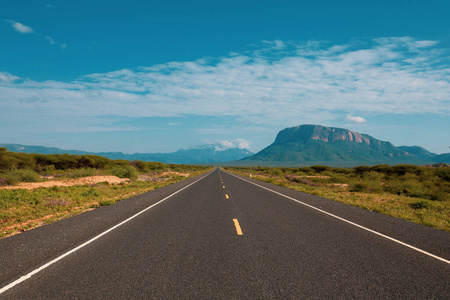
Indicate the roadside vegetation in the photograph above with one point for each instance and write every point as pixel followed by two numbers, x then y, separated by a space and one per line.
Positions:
pixel 417 194
pixel 23 207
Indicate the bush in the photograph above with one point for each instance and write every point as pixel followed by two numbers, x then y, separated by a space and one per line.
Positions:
pixel 8 163
pixel 400 170
pixel 407 187
pixel 386 169
pixel 373 176
pixel 107 202
pixel 320 169
pixel 360 170
pixel 275 172
pixel 48 170
pixel 358 187
pixel 366 187
pixel 90 193
pixel 420 205
pixel 125 171
pixel 16 176
pixel 343 171
pixel 443 173
pixel 141 166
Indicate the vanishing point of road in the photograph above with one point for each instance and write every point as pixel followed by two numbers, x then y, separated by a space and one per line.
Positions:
pixel 222 236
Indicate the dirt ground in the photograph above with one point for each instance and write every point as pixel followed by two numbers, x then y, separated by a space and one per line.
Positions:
pixel 85 181
pixel 67 182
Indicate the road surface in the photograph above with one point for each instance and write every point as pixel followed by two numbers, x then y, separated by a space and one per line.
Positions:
pixel 222 236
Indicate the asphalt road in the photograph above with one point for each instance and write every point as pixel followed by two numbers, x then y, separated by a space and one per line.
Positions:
pixel 225 238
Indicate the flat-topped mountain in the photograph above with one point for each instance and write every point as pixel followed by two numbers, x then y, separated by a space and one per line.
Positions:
pixel 315 144
pixel 304 133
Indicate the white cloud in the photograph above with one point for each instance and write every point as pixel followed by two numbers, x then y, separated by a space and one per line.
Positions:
pixel 19 27
pixel 351 118
pixel 6 77
pixel 237 143
pixel 274 86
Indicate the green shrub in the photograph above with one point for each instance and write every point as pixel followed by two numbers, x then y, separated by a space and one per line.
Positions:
pixel 373 176
pixel 275 172
pixel 320 169
pixel 90 193
pixel 366 187
pixel 343 171
pixel 443 173
pixel 420 205
pixel 357 187
pixel 8 163
pixel 360 170
pixel 400 170
pixel 48 170
pixel 107 202
pixel 141 166
pixel 439 196
pixel 125 171
pixel 408 187
pixel 16 176
pixel 338 178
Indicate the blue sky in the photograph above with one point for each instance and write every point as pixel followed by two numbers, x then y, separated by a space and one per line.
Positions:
pixel 157 76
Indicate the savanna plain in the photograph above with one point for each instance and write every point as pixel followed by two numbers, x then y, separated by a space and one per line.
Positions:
pixel 37 189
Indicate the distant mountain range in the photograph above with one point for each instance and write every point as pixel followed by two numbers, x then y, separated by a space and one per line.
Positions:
pixel 306 145
pixel 303 145
pixel 211 153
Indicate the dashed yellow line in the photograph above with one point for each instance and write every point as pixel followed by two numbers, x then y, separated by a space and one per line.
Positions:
pixel 223 186
pixel 226 196
pixel 238 227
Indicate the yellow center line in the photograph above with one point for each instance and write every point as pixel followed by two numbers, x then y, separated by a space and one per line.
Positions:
pixel 226 196
pixel 238 228
pixel 223 186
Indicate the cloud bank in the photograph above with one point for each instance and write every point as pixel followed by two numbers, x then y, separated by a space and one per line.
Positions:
pixel 275 82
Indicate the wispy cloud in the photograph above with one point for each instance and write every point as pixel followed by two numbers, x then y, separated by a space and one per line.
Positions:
pixel 19 27
pixel 276 83
pixel 52 42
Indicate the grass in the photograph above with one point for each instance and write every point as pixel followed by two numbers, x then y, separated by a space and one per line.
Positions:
pixel 419 194
pixel 22 209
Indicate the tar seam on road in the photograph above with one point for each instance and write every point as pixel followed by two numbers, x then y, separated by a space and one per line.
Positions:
pixel 238 227
pixel 350 222
pixel 25 277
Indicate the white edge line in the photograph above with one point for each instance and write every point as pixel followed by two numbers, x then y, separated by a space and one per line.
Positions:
pixel 27 276
pixel 347 221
